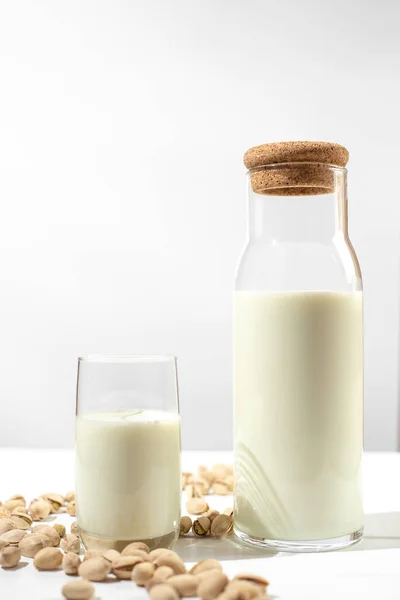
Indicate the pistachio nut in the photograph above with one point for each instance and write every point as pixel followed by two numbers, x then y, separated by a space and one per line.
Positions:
pixel 71 563
pixel 196 506
pixel 74 528
pixel 254 579
pixel 94 569
pixel 71 508
pixel 230 481
pixel 160 576
pixel 21 521
pixel 111 555
pixel 211 514
pixel 78 590
pixel 171 560
pixel 192 491
pixel 201 526
pixel 129 551
pixel 91 554
pixel 39 509
pixel 122 567
pixel 220 487
pixel 205 565
pixel 245 590
pixel 6 524
pixel 210 587
pixel 10 557
pixel 71 543
pixel 12 504
pixel 185 525
pixel 56 501
pixel 13 537
pixel 31 544
pixel 163 591
pixel 48 559
pixel 69 496
pixel 202 485
pixel 158 551
pixel 52 534
pixel 142 573
pixel 185 585
pixel 205 574
pixel 60 529
pixel 18 497
pixel 138 545
pixel 221 526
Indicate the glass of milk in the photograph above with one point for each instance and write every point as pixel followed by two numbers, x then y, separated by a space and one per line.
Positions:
pixel 298 355
pixel 128 455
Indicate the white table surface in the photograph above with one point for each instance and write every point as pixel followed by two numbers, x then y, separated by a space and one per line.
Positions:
pixel 369 571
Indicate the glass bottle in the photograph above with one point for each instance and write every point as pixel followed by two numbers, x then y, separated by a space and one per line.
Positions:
pixel 298 354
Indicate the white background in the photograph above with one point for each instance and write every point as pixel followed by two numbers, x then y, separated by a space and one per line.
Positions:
pixel 122 127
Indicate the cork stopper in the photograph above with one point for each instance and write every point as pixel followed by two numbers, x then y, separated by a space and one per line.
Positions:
pixel 308 173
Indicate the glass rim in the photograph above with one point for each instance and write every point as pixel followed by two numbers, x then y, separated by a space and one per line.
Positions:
pixel 127 358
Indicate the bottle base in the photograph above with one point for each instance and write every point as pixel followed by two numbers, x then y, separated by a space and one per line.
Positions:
pixel 324 545
pixel 100 544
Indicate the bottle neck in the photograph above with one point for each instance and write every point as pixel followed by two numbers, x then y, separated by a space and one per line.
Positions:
pixel 304 218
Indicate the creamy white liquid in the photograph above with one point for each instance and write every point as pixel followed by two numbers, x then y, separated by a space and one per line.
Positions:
pixel 128 474
pixel 298 414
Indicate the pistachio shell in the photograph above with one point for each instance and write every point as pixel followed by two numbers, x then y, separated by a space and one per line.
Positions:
pixel 6 524
pixel 161 575
pixel 111 555
pixel 196 506
pixel 71 508
pixel 205 565
pixel 129 551
pixel 185 525
pixel 245 590
pixel 71 543
pixel 94 569
pixel 78 590
pixel 205 574
pixel 18 497
pixel 201 526
pixel 251 578
pixel 10 557
pixel 221 526
pixel 142 573
pixel 31 544
pixel 210 587
pixel 163 591
pixel 220 487
pixel 228 511
pixel 22 521
pixel 211 514
pixel 69 496
pixel 13 537
pixel 171 560
pixel 74 528
pixel 91 554
pixel 158 551
pixel 52 534
pixel 71 563
pixel 123 566
pixel 48 559
pixel 136 546
pixel 185 585
pixel 12 504
pixel 40 509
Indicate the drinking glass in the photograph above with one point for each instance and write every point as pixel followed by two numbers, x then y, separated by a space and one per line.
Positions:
pixel 128 455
